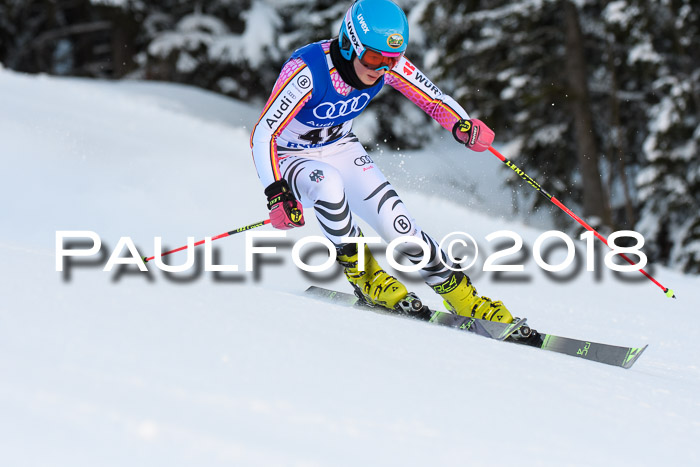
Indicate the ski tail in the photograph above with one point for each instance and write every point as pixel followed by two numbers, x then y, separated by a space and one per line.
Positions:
pixel 332 296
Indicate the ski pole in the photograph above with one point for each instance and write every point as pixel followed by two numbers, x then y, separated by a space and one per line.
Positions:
pixel 227 234
pixel 559 204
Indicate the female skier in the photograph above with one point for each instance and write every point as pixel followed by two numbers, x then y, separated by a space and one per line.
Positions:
pixel 306 154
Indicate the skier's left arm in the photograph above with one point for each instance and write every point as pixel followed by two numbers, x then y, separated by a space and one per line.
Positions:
pixel 406 78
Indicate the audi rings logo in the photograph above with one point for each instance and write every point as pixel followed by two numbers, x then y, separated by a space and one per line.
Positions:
pixel 330 110
pixel 363 160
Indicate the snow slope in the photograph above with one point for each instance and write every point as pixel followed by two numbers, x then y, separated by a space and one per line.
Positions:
pixel 197 368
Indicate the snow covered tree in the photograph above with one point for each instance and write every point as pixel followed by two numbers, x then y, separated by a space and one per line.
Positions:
pixel 514 62
pixel 506 62
pixel 227 46
pixel 656 52
pixel 605 115
pixel 595 200
pixel 64 38
pixel 235 47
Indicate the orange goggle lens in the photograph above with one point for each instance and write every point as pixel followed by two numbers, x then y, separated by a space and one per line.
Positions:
pixel 374 60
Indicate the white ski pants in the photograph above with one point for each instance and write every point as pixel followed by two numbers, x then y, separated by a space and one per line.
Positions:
pixel 340 182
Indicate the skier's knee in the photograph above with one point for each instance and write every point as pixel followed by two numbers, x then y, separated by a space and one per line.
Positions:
pixel 326 186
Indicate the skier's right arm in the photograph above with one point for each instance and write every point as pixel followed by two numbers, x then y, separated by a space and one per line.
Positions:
pixel 284 104
pixel 286 100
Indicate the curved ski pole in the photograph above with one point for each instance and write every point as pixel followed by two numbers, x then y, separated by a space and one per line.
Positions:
pixel 559 204
pixel 227 234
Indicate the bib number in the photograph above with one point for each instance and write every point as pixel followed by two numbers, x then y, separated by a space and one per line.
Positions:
pixel 322 135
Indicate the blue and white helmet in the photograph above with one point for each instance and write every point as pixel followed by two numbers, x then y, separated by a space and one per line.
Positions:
pixel 376 24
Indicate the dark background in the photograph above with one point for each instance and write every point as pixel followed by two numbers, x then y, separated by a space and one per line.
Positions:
pixel 599 100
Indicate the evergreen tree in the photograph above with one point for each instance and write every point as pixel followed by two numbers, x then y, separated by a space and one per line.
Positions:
pixel 641 59
pixel 657 49
pixel 64 38
pixel 226 45
pixel 614 100
pixel 506 61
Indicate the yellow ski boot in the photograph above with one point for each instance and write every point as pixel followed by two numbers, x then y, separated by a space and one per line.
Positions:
pixel 460 297
pixel 373 285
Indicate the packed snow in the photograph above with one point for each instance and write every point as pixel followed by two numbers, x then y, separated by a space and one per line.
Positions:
pixel 240 368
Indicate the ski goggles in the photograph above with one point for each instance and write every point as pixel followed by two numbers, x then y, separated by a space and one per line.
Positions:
pixel 376 60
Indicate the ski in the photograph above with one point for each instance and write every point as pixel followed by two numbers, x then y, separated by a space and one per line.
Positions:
pixel 614 355
pixel 518 333
pixel 490 329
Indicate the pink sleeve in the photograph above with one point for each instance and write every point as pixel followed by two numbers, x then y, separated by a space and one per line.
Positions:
pixel 412 83
pixel 284 104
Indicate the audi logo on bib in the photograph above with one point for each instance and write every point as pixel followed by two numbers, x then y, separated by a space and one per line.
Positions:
pixel 331 110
